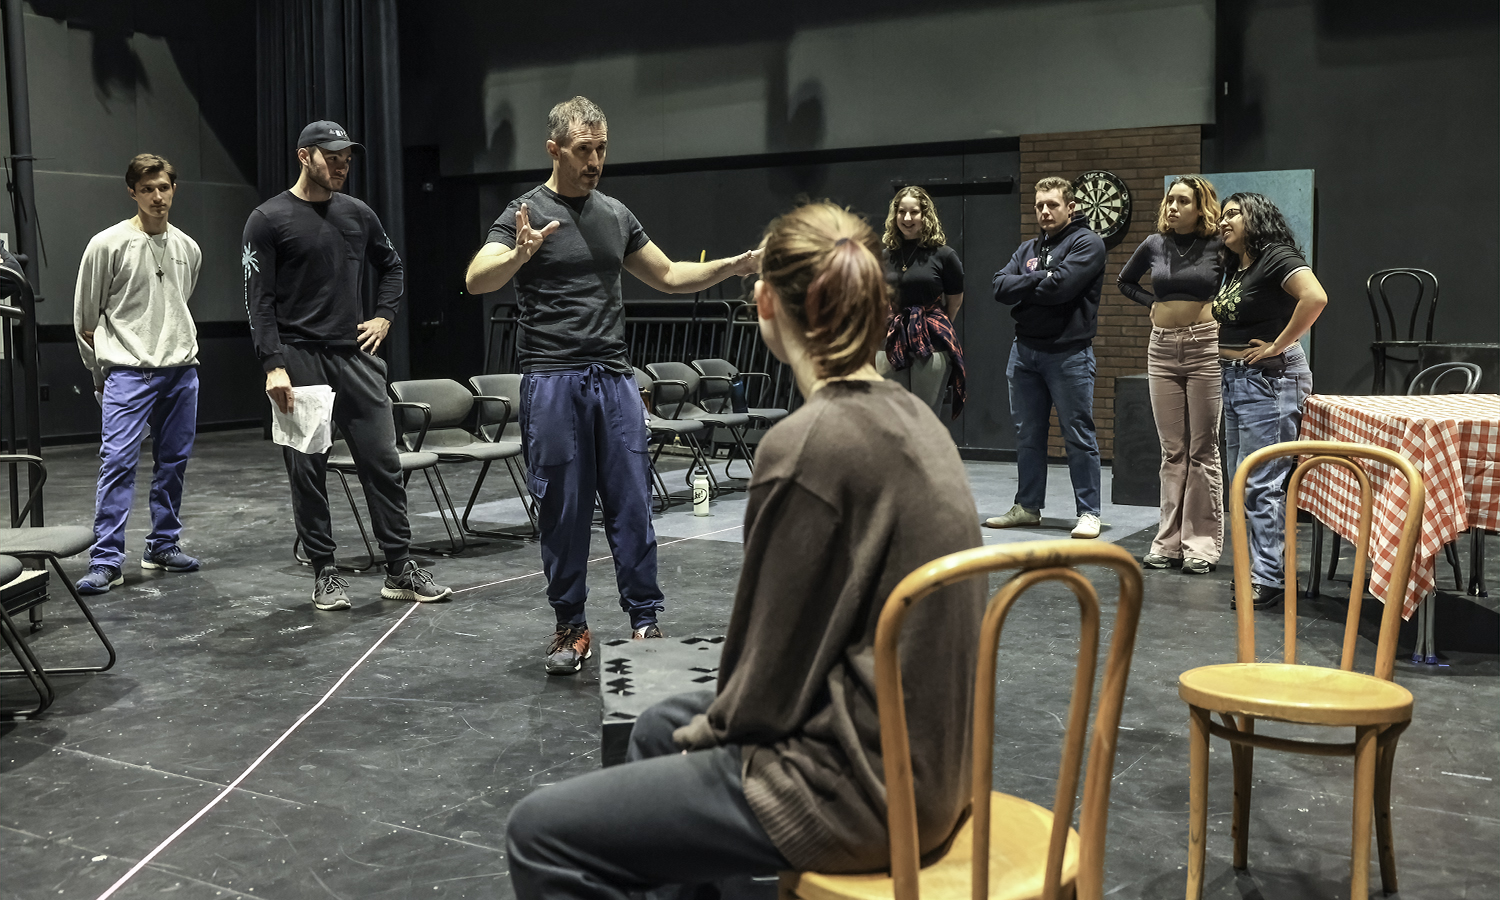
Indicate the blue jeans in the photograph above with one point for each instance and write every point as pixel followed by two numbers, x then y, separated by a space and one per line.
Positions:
pixel 167 400
pixel 585 433
pixel 1038 381
pixel 1263 406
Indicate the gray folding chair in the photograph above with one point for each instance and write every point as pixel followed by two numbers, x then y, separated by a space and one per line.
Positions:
pixel 45 544
pixel 665 431
pixel 499 399
pixel 449 405
pixel 716 390
pixel 675 389
pixel 341 463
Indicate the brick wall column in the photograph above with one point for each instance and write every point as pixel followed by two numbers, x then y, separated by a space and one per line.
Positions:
pixel 1141 157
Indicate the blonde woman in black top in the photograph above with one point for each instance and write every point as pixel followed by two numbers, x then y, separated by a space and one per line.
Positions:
pixel 1183 364
pixel 927 280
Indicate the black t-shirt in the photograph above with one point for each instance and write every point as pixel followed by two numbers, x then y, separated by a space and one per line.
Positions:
pixel 1253 303
pixel 304 266
pixel 931 273
pixel 569 305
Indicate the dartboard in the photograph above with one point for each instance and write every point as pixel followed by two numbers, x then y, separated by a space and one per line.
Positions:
pixel 1105 199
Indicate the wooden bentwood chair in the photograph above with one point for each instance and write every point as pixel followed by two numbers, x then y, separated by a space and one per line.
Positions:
pixel 1246 690
pixel 1032 851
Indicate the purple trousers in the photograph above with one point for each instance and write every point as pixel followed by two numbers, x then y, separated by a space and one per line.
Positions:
pixel 167 400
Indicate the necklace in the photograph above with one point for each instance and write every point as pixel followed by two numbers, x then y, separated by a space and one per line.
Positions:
pixel 151 244
pixel 907 260
pixel 1183 254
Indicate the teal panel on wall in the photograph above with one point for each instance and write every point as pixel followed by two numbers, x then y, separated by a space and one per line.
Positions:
pixel 1290 189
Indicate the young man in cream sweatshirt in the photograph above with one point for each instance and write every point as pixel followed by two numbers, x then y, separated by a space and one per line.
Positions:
pixel 137 337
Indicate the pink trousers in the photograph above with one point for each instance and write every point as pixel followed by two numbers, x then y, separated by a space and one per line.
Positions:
pixel 1186 401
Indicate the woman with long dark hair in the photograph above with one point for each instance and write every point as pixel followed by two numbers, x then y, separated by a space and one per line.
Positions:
pixel 921 347
pixel 1183 364
pixel 1268 297
pixel 780 768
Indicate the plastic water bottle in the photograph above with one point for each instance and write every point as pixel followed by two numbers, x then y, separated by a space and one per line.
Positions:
pixel 700 492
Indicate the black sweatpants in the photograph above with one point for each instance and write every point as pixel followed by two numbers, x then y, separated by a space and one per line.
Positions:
pixel 362 412
pixel 664 818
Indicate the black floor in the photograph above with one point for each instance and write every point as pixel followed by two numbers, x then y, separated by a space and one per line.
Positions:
pixel 377 752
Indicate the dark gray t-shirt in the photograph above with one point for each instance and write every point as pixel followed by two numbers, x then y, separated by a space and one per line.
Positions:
pixel 569 304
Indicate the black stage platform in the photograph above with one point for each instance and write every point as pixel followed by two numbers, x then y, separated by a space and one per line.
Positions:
pixel 377 752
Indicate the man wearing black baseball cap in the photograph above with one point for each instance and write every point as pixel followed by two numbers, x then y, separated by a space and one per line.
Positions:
pixel 306 252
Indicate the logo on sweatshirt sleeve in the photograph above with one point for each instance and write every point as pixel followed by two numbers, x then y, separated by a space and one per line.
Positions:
pixel 248 263
pixel 1031 264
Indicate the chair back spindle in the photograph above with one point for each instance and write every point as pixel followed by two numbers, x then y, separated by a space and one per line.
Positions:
pixel 1038 562
pixel 1344 456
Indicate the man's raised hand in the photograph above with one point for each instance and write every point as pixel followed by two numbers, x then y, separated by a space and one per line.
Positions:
pixel 528 239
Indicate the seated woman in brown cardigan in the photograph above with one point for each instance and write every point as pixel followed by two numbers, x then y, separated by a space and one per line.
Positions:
pixel 780 768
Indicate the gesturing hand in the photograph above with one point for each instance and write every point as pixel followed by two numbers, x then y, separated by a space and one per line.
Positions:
pixel 528 239
pixel 748 263
pixel 371 333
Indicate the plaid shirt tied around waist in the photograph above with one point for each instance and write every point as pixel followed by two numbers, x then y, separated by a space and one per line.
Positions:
pixel 916 332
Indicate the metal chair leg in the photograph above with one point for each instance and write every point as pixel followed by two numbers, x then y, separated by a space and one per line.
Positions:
pixel 455 534
pixel 363 534
pixel 1477 586
pixel 1333 559
pixel 1315 581
pixel 87 614
pixel 520 492
pixel 31 667
pixel 1450 550
pixel 739 441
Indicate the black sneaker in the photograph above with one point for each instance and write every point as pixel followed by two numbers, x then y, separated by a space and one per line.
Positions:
pixel 647 631
pixel 414 583
pixel 330 591
pixel 571 645
pixel 171 559
pixel 1262 596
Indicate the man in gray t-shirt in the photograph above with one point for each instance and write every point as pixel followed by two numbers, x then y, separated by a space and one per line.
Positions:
pixel 582 422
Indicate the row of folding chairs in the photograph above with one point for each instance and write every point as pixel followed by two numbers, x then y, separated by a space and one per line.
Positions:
pixel 439 421
pixel 690 404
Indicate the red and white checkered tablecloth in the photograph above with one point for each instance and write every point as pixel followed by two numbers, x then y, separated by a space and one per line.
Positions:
pixel 1452 439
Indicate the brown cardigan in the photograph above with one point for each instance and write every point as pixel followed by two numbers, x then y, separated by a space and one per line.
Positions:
pixel 851 493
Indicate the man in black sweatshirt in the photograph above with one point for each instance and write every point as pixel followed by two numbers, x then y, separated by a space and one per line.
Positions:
pixel 1052 284
pixel 306 252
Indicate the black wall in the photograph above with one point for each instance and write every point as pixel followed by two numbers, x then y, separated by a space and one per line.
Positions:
pixel 1394 106
pixel 1397 107
pixel 721 211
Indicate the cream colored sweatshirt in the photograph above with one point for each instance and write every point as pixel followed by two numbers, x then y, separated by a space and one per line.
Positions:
pixel 139 319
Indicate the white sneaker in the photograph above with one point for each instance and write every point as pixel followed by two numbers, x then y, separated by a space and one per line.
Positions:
pixel 1018 515
pixel 1087 527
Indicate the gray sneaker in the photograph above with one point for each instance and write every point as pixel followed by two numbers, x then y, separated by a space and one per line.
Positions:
pixel 99 580
pixel 1018 515
pixel 414 583
pixel 1194 566
pixel 330 591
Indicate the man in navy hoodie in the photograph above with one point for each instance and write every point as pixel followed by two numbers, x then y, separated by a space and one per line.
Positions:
pixel 1052 285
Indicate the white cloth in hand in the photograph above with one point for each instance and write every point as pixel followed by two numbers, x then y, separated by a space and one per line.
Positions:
pixel 308 428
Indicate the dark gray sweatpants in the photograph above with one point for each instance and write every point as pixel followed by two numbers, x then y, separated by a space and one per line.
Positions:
pixel 664 818
pixel 362 412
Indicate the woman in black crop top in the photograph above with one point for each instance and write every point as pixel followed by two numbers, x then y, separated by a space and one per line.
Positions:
pixel 1183 364
pixel 927 288
pixel 1267 299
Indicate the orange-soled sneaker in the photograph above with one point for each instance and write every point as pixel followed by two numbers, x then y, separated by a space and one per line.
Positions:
pixel 569 648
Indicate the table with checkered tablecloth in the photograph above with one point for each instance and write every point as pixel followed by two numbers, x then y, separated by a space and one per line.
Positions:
pixel 1452 439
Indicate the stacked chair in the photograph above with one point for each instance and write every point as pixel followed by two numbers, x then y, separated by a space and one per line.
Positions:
pixel 716 386
pixel 446 406
pixel 664 431
pixel 1009 848
pixel 1246 691
pixel 676 395
pixel 43 545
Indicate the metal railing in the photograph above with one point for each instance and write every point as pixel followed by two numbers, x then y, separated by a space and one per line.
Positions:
pixel 673 331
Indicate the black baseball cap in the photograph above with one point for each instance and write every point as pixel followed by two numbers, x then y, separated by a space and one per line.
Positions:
pixel 325 134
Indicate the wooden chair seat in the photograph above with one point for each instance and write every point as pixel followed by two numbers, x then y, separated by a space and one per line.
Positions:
pixel 1019 834
pixel 1312 695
